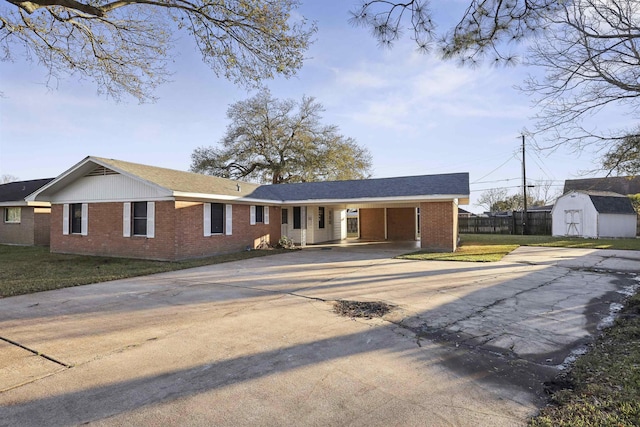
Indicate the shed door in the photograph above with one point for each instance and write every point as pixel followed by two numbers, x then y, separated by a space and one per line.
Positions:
pixel 573 222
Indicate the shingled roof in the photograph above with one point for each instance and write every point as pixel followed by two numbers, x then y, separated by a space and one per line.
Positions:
pixel 610 203
pixel 181 181
pixel 188 184
pixel 615 184
pixel 16 191
pixel 456 184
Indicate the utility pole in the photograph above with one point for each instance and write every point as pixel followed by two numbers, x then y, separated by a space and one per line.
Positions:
pixel 524 191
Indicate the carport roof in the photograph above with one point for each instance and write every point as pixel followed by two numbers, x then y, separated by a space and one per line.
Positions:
pixel 181 184
pixel 454 184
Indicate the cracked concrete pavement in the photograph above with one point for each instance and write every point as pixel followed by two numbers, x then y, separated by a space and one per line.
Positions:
pixel 256 342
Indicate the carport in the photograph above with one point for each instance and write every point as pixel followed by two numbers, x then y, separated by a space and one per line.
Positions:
pixel 420 208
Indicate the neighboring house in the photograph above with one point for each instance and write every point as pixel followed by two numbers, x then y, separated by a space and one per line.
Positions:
pixel 116 208
pixel 545 208
pixel 616 184
pixel 23 223
pixel 593 214
pixel 465 214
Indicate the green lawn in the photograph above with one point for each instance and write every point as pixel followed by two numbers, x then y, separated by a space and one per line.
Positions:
pixel 493 247
pixel 28 269
pixel 565 242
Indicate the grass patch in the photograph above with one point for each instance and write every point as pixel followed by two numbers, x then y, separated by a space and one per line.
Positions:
pixel 28 269
pixel 563 242
pixel 493 247
pixel 605 382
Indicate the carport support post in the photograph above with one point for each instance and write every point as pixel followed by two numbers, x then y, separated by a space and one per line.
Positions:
pixel 439 226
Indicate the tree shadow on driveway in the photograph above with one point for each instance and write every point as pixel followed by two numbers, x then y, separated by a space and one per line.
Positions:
pixel 503 338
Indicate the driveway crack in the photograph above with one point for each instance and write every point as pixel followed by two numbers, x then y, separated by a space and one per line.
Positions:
pixel 37 353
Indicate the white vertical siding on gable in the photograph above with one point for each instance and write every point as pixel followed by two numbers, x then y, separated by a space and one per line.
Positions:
pixel 108 187
pixel 65 219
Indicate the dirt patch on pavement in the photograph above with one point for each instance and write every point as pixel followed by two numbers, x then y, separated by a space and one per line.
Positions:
pixel 362 309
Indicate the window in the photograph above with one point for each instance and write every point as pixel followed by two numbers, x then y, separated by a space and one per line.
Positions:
pixel 285 216
pixel 321 217
pixel 140 218
pixel 12 215
pixel 217 218
pixel 259 213
pixel 297 217
pixel 75 218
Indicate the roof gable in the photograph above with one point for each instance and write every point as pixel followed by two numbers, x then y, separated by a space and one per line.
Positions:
pixel 181 181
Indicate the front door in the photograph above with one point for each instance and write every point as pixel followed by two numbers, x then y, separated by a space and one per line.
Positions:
pixel 284 228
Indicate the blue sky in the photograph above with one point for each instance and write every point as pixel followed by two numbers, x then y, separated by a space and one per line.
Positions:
pixel 416 114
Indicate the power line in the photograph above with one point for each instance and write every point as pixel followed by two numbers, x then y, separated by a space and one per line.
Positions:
pixel 508 187
pixel 491 182
pixel 542 167
pixel 484 176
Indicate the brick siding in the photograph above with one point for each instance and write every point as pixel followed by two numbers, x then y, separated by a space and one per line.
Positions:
pixel 18 233
pixel 191 242
pixel 179 233
pixel 372 224
pixel 438 226
pixel 401 224
pixel 42 226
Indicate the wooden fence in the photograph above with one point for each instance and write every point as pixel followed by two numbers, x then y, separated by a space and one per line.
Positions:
pixel 538 223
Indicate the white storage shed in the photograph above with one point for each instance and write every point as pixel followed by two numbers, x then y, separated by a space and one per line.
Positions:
pixel 593 214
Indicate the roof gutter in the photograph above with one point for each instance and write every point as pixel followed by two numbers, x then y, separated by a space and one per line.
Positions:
pixel 460 198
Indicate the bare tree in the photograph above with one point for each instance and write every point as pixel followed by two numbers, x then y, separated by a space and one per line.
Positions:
pixel 124 46
pixel 489 198
pixel 277 141
pixel 590 53
pixel 542 193
pixel 6 178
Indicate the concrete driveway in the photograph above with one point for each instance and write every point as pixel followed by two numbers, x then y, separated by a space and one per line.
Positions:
pixel 256 342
